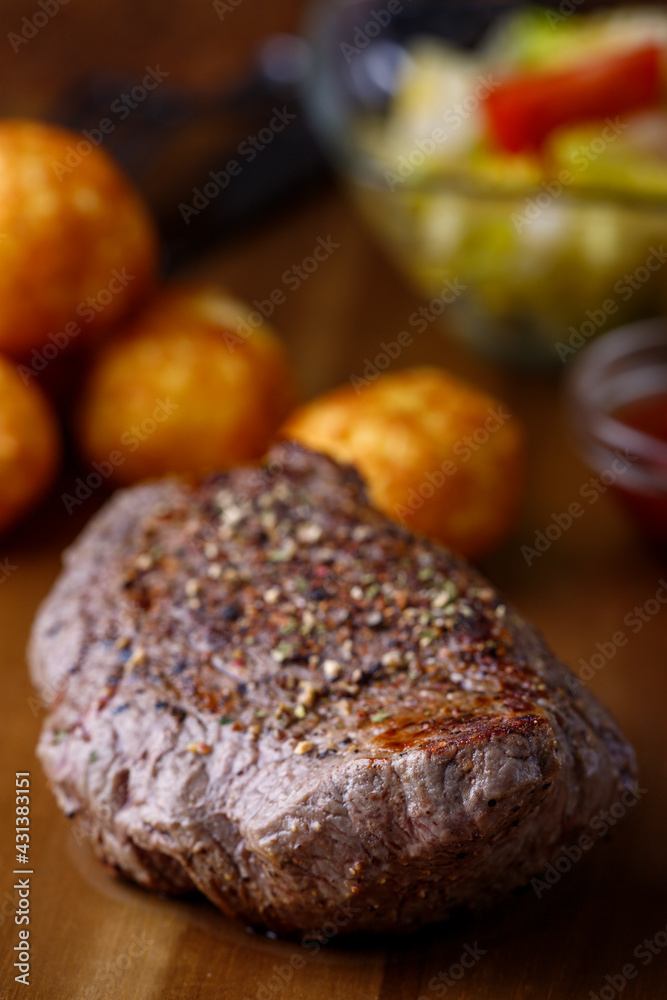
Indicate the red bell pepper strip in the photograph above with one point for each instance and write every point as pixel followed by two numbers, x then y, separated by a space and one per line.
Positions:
pixel 524 109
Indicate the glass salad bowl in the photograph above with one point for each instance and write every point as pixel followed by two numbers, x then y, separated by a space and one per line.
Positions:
pixel 512 159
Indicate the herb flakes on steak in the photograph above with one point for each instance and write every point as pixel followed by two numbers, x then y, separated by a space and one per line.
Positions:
pixel 263 688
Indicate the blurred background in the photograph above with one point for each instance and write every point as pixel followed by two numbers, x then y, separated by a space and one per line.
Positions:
pixel 508 162
pixel 479 187
pixel 191 40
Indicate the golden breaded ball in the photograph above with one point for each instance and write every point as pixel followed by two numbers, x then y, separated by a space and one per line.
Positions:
pixel 30 446
pixel 189 386
pixel 77 246
pixel 437 454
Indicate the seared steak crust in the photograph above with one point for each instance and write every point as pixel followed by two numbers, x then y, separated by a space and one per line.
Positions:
pixel 263 688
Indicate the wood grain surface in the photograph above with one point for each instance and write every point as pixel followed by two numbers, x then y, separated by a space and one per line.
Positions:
pixel 95 938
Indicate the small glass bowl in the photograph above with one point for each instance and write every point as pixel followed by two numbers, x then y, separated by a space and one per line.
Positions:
pixel 624 369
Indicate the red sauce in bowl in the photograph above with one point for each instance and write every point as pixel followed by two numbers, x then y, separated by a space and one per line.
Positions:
pixel 649 416
pixel 616 392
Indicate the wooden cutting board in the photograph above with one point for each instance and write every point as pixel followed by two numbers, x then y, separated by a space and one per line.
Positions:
pixel 94 938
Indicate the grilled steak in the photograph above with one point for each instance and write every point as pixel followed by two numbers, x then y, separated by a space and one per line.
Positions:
pixel 262 688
